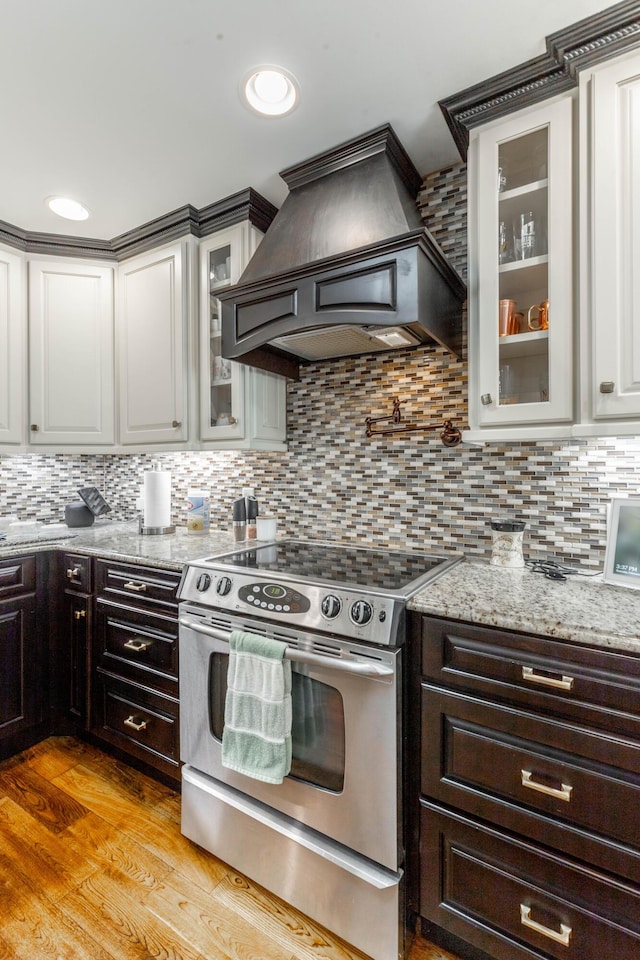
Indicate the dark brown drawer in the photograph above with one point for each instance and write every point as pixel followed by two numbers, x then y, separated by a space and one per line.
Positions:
pixel 550 675
pixel 76 572
pixel 141 646
pixel 517 901
pixel 17 576
pixel 137 585
pixel 139 721
pixel 525 772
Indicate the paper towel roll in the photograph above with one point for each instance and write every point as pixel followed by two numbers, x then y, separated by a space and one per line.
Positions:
pixel 157 498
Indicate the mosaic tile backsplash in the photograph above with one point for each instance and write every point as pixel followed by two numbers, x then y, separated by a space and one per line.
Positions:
pixel 406 491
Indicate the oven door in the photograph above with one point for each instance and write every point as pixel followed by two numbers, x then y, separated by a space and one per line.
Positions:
pixel 344 780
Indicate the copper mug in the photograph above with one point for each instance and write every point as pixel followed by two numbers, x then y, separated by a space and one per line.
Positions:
pixel 541 321
pixel 508 319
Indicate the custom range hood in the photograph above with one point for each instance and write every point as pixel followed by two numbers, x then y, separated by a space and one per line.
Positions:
pixel 347 266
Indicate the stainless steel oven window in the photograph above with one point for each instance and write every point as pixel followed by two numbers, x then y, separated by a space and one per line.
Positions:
pixel 317 726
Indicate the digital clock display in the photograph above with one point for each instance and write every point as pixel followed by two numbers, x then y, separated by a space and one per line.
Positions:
pixel 273 591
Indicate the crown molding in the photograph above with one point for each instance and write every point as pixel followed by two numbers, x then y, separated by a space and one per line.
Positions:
pixel 569 51
pixel 187 220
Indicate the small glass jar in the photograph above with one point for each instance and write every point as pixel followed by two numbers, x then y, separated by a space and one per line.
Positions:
pixel 506 549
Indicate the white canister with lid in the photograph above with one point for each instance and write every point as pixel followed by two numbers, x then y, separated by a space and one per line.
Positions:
pixel 506 550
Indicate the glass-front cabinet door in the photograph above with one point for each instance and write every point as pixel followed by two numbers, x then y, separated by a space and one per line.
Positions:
pixel 222 393
pixel 520 270
pixel 239 407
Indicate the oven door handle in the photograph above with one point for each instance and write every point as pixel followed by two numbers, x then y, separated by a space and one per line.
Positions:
pixel 363 668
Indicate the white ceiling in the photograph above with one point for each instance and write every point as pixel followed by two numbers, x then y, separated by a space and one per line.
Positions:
pixel 132 106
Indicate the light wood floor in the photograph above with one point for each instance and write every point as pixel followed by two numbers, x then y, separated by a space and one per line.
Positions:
pixel 93 867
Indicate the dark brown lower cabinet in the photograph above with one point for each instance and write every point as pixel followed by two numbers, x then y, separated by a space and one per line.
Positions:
pixel 516 900
pixel 529 797
pixel 77 620
pixel 134 675
pixel 23 652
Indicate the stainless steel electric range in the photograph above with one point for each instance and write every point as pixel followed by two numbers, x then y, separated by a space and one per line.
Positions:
pixel 328 840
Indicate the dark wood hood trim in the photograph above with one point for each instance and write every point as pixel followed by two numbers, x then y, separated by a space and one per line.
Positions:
pixel 569 51
pixel 187 220
pixel 382 139
pixel 405 282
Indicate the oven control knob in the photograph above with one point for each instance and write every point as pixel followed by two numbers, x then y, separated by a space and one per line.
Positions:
pixel 203 582
pixel 331 607
pixel 223 586
pixel 361 612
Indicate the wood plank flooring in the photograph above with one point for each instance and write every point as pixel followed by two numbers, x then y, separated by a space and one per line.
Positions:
pixel 93 867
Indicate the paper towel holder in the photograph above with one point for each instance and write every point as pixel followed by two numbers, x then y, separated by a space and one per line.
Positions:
pixel 153 531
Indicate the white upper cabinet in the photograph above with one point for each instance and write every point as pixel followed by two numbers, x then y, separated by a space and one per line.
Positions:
pixel 521 317
pixel 610 259
pixel 70 353
pixel 12 348
pixel 152 329
pixel 240 407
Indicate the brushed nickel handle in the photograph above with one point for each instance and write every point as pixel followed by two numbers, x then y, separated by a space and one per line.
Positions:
pixel 562 793
pixel 79 614
pixel 138 646
pixel 562 936
pixel 34 427
pixel 176 423
pixel 74 573
pixel 486 399
pixel 607 386
pixel 561 683
pixel 130 722
pixel 138 587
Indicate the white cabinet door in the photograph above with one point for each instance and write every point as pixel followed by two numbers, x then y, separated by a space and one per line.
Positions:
pixel 240 407
pixel 71 353
pixel 267 400
pixel 521 273
pixel 611 128
pixel 151 326
pixel 12 348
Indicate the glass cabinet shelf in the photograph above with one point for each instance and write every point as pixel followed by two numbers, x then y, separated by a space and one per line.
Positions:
pixel 530 344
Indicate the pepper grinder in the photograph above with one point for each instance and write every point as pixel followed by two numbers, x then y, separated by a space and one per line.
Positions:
pixel 239 516
pixel 252 515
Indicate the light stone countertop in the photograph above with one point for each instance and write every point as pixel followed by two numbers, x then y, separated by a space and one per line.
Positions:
pixel 582 609
pixel 121 541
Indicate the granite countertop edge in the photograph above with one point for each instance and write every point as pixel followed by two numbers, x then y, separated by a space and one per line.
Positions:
pixel 580 609
pixel 120 541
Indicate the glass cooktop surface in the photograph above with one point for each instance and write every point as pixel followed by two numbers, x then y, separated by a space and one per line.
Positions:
pixel 372 568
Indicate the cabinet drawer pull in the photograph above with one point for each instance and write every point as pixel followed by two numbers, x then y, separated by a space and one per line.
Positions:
pixel 131 722
pixel 176 423
pixel 562 793
pixel 79 614
pixel 561 683
pixel 71 574
pixel 138 587
pixel 562 936
pixel 138 646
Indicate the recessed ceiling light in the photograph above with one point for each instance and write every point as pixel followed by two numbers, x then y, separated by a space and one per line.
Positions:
pixel 270 91
pixel 69 209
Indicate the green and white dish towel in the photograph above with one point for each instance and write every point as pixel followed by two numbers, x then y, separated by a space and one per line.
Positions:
pixel 256 739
